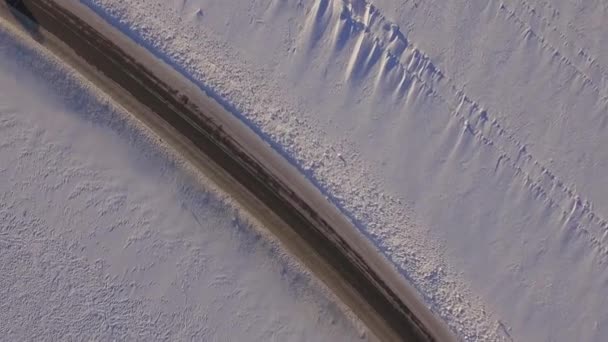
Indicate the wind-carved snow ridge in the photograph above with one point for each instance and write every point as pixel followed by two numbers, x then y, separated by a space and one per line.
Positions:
pixel 377 40
pixel 378 214
pixel 357 51
pixel 400 63
pixel 382 52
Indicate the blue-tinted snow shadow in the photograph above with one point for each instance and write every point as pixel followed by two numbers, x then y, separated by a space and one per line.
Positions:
pixel 195 198
pixel 231 108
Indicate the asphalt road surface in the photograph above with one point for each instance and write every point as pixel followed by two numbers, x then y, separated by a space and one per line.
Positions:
pixel 238 161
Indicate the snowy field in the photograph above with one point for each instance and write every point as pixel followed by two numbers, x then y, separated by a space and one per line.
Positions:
pixel 106 235
pixel 464 137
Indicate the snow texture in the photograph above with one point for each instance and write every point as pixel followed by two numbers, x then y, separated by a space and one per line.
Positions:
pixel 106 235
pixel 463 137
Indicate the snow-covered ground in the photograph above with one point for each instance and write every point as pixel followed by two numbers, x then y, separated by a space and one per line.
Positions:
pixel 105 234
pixel 463 137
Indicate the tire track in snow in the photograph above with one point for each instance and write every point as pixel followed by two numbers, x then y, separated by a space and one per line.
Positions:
pixel 528 31
pixel 379 41
pixel 549 29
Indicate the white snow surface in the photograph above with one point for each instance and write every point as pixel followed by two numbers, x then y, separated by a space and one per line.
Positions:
pixel 107 235
pixel 463 137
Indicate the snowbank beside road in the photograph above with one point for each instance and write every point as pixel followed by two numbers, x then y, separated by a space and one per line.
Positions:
pixel 105 234
pixel 464 139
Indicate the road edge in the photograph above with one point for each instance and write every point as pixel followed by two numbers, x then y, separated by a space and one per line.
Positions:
pixel 288 177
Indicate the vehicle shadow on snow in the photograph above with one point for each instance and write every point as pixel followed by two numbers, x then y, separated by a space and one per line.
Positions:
pixel 24 16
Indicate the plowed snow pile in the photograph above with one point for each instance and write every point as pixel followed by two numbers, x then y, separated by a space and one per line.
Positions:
pixel 105 235
pixel 463 137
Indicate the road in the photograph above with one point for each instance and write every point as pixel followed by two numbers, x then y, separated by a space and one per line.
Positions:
pixel 238 160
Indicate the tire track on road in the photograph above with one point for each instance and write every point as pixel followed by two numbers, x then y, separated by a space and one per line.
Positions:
pixel 319 235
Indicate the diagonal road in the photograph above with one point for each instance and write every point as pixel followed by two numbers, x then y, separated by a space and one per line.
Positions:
pixel 237 160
